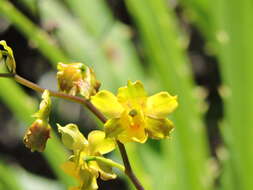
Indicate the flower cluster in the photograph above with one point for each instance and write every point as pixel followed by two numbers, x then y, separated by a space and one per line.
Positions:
pixel 132 117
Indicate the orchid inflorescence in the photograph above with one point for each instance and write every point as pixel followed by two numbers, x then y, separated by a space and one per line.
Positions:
pixel 130 116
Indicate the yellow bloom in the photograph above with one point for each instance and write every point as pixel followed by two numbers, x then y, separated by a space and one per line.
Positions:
pixel 86 172
pixel 37 134
pixel 133 116
pixel 77 78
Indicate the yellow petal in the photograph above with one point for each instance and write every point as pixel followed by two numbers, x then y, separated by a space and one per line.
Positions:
pixel 89 181
pixel 136 127
pixel 99 144
pixel 107 103
pixel 67 76
pixel 161 104
pixel 132 95
pixel 113 127
pixel 71 169
pixel 89 85
pixel 106 172
pixel 139 136
pixel 126 129
pixel 71 137
pixel 158 128
pixel 135 134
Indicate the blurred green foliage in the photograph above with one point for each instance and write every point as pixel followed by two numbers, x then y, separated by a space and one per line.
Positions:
pixel 86 31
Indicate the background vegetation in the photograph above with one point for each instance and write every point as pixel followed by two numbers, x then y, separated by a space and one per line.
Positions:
pixel 200 50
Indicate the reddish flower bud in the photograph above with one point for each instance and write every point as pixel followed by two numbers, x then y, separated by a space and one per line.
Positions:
pixel 37 135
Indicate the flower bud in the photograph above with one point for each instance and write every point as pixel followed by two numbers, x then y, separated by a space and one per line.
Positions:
pixel 36 135
pixel 45 107
pixel 6 53
pixel 77 78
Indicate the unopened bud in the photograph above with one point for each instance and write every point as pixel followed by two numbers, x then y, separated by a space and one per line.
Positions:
pixel 37 135
pixel 45 107
pixel 6 53
pixel 77 78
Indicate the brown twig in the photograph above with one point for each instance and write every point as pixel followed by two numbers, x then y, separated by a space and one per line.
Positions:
pixel 128 169
pixel 76 99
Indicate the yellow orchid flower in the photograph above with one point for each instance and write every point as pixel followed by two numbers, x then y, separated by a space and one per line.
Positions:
pixel 77 78
pixel 80 165
pixel 132 116
pixel 37 134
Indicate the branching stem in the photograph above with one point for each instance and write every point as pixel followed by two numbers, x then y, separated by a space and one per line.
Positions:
pixel 128 169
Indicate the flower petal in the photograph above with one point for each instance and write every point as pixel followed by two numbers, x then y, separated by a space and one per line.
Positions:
pixel 89 181
pixel 99 144
pixel 158 128
pixel 161 104
pixel 132 95
pixel 126 129
pixel 135 131
pixel 136 134
pixel 105 171
pixel 113 127
pixel 70 169
pixel 107 103
pixel 71 137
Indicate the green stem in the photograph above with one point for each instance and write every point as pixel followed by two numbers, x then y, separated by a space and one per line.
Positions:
pixel 106 161
pixel 128 169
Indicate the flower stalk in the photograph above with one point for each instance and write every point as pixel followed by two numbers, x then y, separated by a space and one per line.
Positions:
pixel 106 161
pixel 127 169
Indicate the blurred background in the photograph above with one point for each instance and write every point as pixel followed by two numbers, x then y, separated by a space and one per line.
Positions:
pixel 200 50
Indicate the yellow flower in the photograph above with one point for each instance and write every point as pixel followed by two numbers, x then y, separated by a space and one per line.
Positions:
pixel 79 166
pixel 7 54
pixel 77 78
pixel 133 116
pixel 37 134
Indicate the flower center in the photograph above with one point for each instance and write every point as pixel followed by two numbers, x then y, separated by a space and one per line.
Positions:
pixel 133 112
